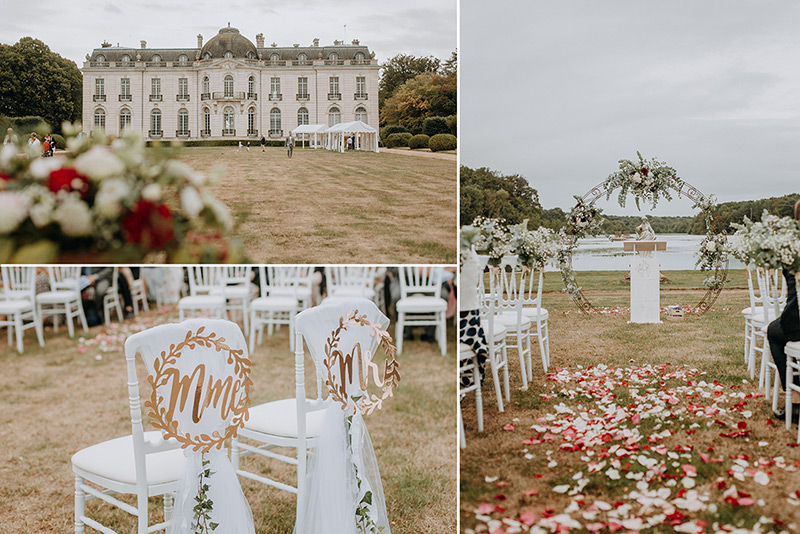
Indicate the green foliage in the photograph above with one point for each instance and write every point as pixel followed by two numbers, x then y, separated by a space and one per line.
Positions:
pixel 435 125
pixel 201 522
pixel 386 131
pixel 449 68
pixel 60 143
pixel 418 141
pixel 553 218
pixel 443 141
pixel 401 68
pixel 35 80
pixel 735 212
pixel 452 124
pixel 398 139
pixel 426 95
pixel 487 193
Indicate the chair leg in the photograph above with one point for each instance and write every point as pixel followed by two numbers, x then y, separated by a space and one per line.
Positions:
pixel 235 453
pixel 82 316
pixel 291 330
pixel 68 320
pixel 118 307
pixel 39 327
pixel 442 334
pixel 398 332
pixel 80 505
pixel 478 397
pixel 18 328
pixel 462 437
pixel 252 333
pixel 522 362
pixel 788 397
pixel 496 380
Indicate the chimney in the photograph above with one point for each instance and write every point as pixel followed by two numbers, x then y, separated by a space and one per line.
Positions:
pixel 105 44
pixel 356 41
pixel 260 40
pixel 199 40
pixel 143 44
pixel 316 42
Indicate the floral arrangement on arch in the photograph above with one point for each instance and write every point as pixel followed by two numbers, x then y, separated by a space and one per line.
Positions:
pixel 534 248
pixel 584 220
pixel 772 243
pixel 647 180
pixel 494 240
pixel 109 200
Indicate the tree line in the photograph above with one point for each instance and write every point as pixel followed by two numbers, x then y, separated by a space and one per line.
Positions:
pixel 488 193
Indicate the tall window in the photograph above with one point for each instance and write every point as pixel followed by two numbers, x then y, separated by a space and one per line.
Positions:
pixel 183 122
pixel 124 119
pixel 100 58
pixel 302 116
pixel 302 57
pixel 183 59
pixel 333 87
pixel 334 116
pixel 251 121
pixel 100 88
pixel 333 56
pixel 228 86
pixel 251 86
pixel 274 56
pixel 99 119
pixel 183 89
pixel 206 87
pixel 125 58
pixel 125 90
pixel 228 122
pixel 275 122
pixel 155 123
pixel 155 89
pixel 361 114
pixel 206 121
pixel 302 87
pixel 361 86
pixel 156 58
pixel 359 57
pixel 274 88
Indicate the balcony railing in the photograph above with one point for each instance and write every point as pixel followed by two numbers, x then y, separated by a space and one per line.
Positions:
pixel 252 133
pixel 229 96
pixel 183 133
pixel 252 96
pixel 334 62
pixel 155 98
pixel 275 97
pixel 334 96
pixel 302 62
pixel 302 97
pixel 184 64
pixel 99 98
pixel 360 61
pixel 156 64
pixel 125 98
pixel 205 133
pixel 360 96
pixel 228 132
pixel 275 63
pixel 156 133
pixel 205 96
pixel 276 133
pixel 99 63
pixel 182 98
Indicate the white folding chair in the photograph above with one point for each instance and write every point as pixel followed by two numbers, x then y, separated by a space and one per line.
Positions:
pixel 495 333
pixel 350 281
pixel 531 295
pixel 205 296
pixel 468 369
pixel 767 311
pixel 792 370
pixel 64 298
pixel 111 300
pixel 420 303
pixel 139 294
pixel 235 287
pixel 278 304
pixel 18 304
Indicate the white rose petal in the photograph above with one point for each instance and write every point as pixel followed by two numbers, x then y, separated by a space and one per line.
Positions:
pixel 13 210
pixel 99 163
pixel 152 192
pixel 191 202
pixel 561 489
pixel 761 478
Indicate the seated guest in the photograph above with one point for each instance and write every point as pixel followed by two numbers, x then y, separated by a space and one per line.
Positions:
pixel 784 329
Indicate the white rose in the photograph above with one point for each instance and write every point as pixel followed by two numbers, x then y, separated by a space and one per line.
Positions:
pixel 41 168
pixel 13 210
pixel 636 178
pixel 98 163
pixel 42 214
pixel 107 203
pixel 191 203
pixel 152 192
pixel 711 246
pixel 74 217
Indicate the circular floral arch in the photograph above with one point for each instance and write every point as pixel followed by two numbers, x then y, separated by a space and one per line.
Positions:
pixel 648 181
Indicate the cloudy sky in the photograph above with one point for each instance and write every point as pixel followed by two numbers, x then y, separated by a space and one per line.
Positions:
pixel 560 91
pixel 74 28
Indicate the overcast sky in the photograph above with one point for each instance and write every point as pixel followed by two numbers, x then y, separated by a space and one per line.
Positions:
pixel 74 28
pixel 559 91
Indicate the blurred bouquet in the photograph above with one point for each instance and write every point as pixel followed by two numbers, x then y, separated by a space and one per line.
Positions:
pixel 773 242
pixel 534 247
pixel 109 201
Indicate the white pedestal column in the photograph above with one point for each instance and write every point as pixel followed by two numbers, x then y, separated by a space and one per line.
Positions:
pixel 645 286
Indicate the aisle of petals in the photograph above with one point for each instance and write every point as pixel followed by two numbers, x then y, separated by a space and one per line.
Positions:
pixel 621 446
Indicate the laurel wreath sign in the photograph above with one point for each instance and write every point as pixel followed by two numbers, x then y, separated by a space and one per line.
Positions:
pixel 391 372
pixel 203 442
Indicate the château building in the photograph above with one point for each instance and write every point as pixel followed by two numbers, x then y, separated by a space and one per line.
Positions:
pixel 228 88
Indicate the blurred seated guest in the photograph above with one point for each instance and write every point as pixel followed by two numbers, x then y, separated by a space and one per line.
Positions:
pixel 784 329
pixel 34 143
pixel 127 277
pixel 98 281
pixel 10 138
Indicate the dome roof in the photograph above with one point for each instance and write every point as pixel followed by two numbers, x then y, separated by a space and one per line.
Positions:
pixel 228 40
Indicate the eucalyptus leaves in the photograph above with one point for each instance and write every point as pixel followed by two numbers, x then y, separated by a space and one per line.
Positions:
pixel 201 522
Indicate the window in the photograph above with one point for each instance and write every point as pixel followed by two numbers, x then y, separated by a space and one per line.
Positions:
pixel 333 56
pixel 99 90
pixel 359 56
pixel 274 57
pixel 251 55
pixel 155 90
pixel 183 89
pixel 183 122
pixel 302 116
pixel 99 119
pixel 302 56
pixel 228 122
pixel 361 87
pixel 251 121
pixel 334 116
pixel 156 58
pixel 228 54
pixel 275 122
pixel 302 87
pixel 100 58
pixel 155 123
pixel 361 114
pixel 251 86
pixel 275 88
pixel 206 89
pixel 228 85
pixel 125 58
pixel 206 122
pixel 207 55
pixel 124 119
pixel 333 88
pixel 183 59
pixel 125 90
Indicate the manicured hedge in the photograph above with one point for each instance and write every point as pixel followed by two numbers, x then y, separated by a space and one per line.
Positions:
pixel 442 142
pixel 418 141
pixel 398 139
pixel 435 125
pixel 228 142
pixel 385 131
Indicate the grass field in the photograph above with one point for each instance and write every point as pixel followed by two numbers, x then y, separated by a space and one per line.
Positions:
pixel 327 207
pixel 70 395
pixel 532 476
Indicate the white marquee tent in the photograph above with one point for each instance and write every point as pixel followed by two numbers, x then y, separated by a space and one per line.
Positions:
pixel 365 136
pixel 313 133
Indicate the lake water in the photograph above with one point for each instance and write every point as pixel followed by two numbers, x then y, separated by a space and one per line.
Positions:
pixel 602 254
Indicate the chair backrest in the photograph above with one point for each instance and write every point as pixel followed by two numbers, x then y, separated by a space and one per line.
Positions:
pixel 199 374
pixel 278 280
pixel 203 280
pixel 19 283
pixel 348 276
pixel 415 279
pixel 65 277
pixel 507 285
pixel 236 274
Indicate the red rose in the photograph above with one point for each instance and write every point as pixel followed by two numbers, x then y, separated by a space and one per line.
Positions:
pixel 149 225
pixel 5 177
pixel 645 171
pixel 68 179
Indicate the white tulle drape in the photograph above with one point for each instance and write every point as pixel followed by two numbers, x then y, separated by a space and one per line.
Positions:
pixel 230 509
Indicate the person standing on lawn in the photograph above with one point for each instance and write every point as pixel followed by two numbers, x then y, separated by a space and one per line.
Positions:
pixel 263 144
pixel 289 144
